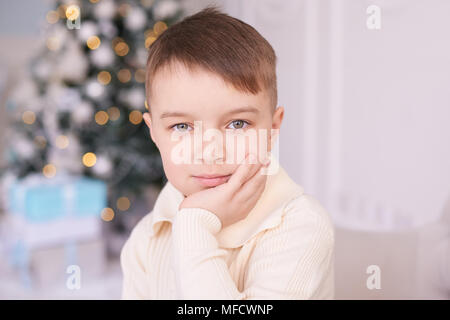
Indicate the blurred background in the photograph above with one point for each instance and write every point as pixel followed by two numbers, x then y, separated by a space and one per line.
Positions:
pixel 365 87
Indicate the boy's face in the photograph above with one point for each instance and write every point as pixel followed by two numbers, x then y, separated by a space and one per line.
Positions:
pixel 204 97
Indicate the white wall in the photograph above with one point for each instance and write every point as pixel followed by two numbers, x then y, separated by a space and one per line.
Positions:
pixel 367 111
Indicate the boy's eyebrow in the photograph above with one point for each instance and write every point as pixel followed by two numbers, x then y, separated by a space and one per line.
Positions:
pixel 238 110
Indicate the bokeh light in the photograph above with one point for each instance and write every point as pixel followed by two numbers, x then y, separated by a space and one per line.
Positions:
pixel 139 75
pixel 93 42
pixel 53 43
pixel 49 170
pixel 40 141
pixel 89 159
pixel 159 27
pixel 121 49
pixel 124 75
pixel 135 117
pixel 72 12
pixel 123 203
pixel 104 77
pixel 114 113
pixel 107 214
pixel 62 142
pixel 28 117
pixel 52 17
pixel 101 117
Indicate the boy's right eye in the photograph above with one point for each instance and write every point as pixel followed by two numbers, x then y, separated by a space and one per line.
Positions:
pixel 181 127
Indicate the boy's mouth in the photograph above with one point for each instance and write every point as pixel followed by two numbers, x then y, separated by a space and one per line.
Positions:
pixel 212 180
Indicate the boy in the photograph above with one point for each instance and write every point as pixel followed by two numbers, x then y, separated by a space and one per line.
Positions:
pixel 222 228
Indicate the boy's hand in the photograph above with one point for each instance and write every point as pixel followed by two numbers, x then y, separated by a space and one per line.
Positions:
pixel 233 200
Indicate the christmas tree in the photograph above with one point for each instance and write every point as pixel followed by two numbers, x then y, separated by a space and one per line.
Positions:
pixel 80 110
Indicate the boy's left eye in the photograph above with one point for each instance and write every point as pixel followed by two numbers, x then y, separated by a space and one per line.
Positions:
pixel 241 124
pixel 181 127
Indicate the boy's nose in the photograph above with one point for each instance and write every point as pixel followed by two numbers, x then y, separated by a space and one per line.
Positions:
pixel 213 154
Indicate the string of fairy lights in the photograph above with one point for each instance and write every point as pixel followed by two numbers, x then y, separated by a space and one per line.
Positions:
pixel 102 118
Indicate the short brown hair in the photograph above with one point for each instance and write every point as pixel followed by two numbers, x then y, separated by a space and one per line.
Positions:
pixel 217 42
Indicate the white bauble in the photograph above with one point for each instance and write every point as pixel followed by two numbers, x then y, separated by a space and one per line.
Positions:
pixel 25 92
pixel 87 29
pixel 69 99
pixel 136 98
pixel 103 56
pixel 36 105
pixel 43 69
pixel 83 113
pixel 105 9
pixel 103 166
pixel 165 9
pixel 54 91
pixel 73 65
pixel 61 34
pixel 135 19
pixel 108 29
pixel 55 157
pixel 73 154
pixel 23 147
pixel 94 89
pixel 141 57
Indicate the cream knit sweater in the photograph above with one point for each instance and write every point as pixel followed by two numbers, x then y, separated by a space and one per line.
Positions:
pixel 283 249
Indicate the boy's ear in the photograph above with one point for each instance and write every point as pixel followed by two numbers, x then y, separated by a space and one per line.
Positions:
pixel 277 119
pixel 148 122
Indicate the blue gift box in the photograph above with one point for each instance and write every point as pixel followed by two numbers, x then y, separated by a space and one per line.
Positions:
pixel 40 199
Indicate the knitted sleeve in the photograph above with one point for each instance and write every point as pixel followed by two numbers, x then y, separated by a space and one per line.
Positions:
pixel 133 263
pixel 294 260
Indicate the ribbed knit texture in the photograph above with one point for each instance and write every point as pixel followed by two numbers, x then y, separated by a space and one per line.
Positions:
pixel 287 254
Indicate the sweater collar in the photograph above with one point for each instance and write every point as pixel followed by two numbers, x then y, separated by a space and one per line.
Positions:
pixel 267 212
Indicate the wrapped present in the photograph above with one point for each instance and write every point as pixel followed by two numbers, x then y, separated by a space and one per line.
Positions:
pixel 39 199
pixel 47 213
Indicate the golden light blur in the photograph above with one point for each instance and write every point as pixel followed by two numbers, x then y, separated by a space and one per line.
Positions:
pixel 89 159
pixel 116 40
pixel 159 27
pixel 93 1
pixel 121 49
pixel 72 12
pixel 52 16
pixel 62 11
pixel 62 142
pixel 149 33
pixel 53 43
pixel 146 104
pixel 123 9
pixel 104 77
pixel 124 75
pixel 93 42
pixel 49 171
pixel 40 141
pixel 101 117
pixel 107 214
pixel 28 117
pixel 147 3
pixel 149 41
pixel 135 117
pixel 114 113
pixel 139 75
pixel 123 203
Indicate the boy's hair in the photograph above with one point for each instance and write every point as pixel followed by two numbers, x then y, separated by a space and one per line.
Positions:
pixel 217 42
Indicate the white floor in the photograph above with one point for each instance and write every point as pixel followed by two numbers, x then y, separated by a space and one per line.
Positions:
pixel 105 287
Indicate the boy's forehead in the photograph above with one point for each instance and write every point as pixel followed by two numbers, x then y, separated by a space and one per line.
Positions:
pixel 180 89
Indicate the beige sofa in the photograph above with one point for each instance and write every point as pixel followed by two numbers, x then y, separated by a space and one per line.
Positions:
pixel 414 263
